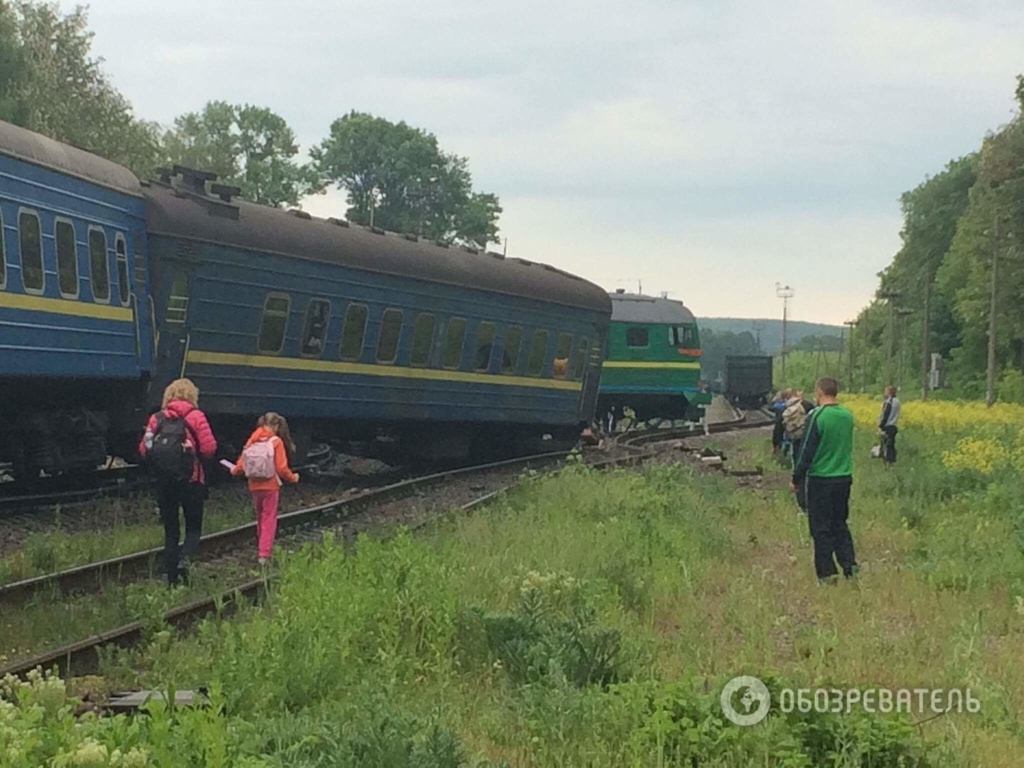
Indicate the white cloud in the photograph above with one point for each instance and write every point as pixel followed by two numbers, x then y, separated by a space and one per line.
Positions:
pixel 709 148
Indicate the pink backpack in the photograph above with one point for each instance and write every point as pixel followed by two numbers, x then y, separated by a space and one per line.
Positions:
pixel 258 460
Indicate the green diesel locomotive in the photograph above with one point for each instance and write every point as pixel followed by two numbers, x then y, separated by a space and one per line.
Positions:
pixel 652 363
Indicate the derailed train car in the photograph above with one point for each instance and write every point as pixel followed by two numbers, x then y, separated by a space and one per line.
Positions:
pixel 110 288
pixel 349 330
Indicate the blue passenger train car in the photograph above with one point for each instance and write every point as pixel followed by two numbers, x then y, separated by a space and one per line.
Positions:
pixel 75 318
pixel 348 330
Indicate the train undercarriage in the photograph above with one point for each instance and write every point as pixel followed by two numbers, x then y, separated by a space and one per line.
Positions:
pixel 66 426
pixel 646 407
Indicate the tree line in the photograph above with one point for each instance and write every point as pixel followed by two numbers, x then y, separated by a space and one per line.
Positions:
pixel 395 176
pixel 935 296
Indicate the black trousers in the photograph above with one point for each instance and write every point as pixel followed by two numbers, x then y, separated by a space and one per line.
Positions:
pixel 189 498
pixel 801 490
pixel 889 444
pixel 828 508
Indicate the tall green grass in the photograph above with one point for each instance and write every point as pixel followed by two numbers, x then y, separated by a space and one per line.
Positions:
pixel 591 619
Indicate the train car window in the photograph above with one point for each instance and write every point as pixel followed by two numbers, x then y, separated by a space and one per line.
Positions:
pixel 581 358
pixel 455 337
pixel 538 350
pixel 314 329
pixel 422 339
pixel 31 242
pixel 636 336
pixel 274 323
pixel 177 299
pixel 684 336
pixel 510 355
pixel 67 263
pixel 390 330
pixel 121 250
pixel 99 274
pixel 353 332
pixel 3 259
pixel 560 368
pixel 484 346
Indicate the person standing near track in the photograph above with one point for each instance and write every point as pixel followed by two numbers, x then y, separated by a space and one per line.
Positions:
pixel 177 440
pixel 264 462
pixel 794 421
pixel 777 407
pixel 887 424
pixel 826 463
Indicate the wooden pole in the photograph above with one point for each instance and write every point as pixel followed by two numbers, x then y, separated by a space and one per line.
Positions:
pixel 926 336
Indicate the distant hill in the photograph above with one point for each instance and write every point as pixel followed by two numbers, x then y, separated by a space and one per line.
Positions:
pixel 771 333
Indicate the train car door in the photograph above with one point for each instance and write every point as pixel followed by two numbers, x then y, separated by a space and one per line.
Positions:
pixel 172 326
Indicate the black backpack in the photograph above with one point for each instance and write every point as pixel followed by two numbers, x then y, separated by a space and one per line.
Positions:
pixel 171 458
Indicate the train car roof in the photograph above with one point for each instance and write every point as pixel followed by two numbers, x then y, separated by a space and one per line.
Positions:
pixel 194 215
pixel 37 149
pixel 637 308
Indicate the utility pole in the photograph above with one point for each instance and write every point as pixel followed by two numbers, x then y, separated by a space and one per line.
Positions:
pixel 902 313
pixel 889 296
pixel 849 360
pixel 757 328
pixel 926 334
pixel 785 293
pixel 990 390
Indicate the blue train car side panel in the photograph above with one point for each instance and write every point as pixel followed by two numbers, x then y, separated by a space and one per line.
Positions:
pixel 57 324
pixel 227 296
pixel 442 336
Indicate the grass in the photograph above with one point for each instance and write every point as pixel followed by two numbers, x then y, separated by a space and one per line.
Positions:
pixel 592 619
pixel 125 526
pixel 50 621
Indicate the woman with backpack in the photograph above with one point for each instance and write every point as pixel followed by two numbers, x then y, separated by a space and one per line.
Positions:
pixel 264 461
pixel 177 440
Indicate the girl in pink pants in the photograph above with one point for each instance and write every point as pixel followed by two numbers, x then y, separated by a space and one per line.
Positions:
pixel 264 462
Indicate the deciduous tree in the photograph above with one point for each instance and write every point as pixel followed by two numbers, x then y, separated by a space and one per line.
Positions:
pixel 50 83
pixel 398 178
pixel 246 146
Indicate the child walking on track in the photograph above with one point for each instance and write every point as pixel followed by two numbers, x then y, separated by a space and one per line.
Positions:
pixel 264 462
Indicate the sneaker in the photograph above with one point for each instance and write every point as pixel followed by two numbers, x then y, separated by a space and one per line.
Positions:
pixel 264 560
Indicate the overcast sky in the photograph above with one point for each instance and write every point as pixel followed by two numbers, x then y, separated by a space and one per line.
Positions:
pixel 708 149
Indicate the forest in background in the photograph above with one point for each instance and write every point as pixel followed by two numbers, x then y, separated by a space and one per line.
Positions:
pixel 941 279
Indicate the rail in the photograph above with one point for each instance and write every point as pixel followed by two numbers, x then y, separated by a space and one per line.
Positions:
pixel 83 655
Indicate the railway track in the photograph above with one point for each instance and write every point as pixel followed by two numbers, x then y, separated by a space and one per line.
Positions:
pixel 19 499
pixel 752 419
pixel 295 528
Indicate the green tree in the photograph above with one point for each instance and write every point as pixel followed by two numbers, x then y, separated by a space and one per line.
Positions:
pixel 250 147
pixel 398 178
pixel 50 83
pixel 931 214
pixel 950 225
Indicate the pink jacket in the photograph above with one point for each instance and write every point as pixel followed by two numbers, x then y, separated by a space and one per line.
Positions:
pixel 199 427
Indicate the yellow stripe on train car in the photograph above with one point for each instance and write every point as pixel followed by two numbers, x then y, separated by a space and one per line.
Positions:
pixel 200 357
pixel 64 306
pixel 639 364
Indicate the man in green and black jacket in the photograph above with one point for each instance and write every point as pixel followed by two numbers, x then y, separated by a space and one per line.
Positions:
pixel 825 463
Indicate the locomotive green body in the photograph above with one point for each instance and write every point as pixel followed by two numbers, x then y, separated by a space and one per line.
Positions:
pixel 652 363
